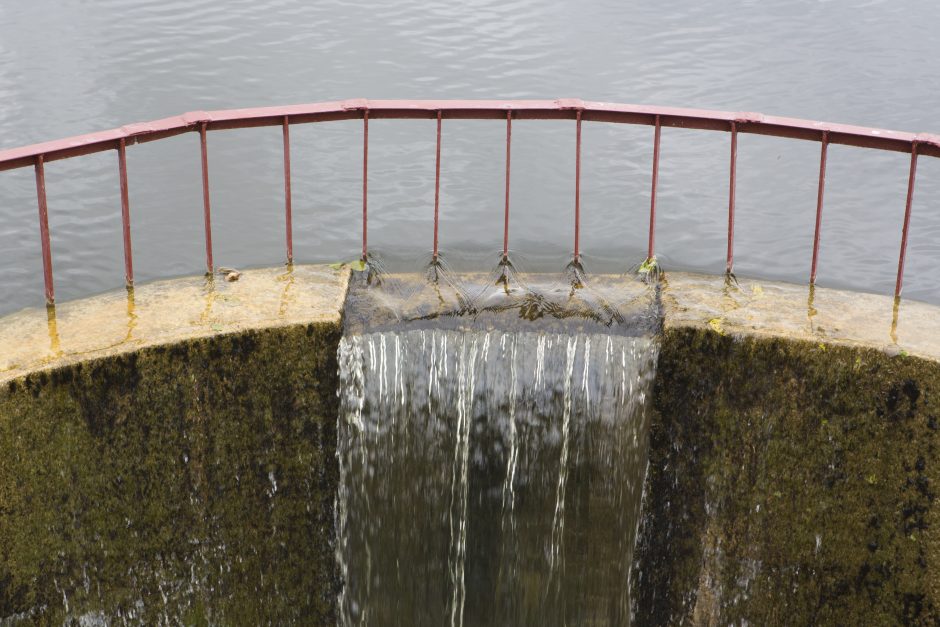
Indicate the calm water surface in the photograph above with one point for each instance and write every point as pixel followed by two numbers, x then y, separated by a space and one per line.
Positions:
pixel 70 67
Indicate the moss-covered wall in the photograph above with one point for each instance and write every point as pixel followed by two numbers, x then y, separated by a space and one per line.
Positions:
pixel 790 483
pixel 192 482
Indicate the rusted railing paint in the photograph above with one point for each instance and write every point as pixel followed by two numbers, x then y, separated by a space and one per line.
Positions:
pixel 44 229
pixel 203 121
pixel 732 185
pixel 755 123
pixel 437 184
pixel 125 215
pixel 907 221
pixel 651 248
pixel 365 184
pixel 824 149
pixel 206 208
pixel 577 193
pixel 288 214
pixel 508 159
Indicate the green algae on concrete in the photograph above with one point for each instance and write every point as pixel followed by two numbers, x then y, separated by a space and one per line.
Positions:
pixel 190 480
pixel 184 483
pixel 168 453
pixel 792 476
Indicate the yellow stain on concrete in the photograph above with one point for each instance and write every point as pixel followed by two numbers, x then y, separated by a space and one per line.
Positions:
pixel 168 311
pixel 818 315
pixel 173 310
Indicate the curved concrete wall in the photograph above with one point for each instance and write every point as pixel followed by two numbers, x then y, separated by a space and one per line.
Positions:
pixel 792 468
pixel 175 445
pixel 790 482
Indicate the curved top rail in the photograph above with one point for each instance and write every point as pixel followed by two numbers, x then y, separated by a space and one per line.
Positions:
pixel 562 109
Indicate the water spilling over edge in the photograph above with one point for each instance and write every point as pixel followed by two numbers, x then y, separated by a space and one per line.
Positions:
pixel 489 476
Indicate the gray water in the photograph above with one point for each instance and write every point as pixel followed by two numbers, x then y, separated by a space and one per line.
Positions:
pixel 490 477
pixel 70 67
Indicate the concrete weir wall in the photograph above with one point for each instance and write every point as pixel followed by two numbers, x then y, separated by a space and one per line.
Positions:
pixel 176 445
pixel 196 474
pixel 790 483
pixel 141 466
pixel 794 464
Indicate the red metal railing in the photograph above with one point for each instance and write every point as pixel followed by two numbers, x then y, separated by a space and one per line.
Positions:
pixel 203 121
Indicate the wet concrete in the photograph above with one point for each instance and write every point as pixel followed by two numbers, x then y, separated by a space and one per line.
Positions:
pixel 792 474
pixel 790 482
pixel 538 302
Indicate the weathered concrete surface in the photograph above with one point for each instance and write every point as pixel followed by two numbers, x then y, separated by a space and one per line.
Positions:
pixel 793 460
pixel 168 311
pixel 768 309
pixel 190 481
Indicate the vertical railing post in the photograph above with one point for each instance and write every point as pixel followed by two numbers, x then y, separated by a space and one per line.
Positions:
pixel 577 192
pixel 731 191
pixel 437 184
pixel 819 205
pixel 508 159
pixel 125 214
pixel 44 229
pixel 907 220
pixel 205 196
pixel 651 249
pixel 288 218
pixel 365 184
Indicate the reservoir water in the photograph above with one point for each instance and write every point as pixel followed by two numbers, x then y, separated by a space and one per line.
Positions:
pixel 68 68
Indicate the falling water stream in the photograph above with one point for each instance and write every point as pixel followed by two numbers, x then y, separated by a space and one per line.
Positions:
pixel 490 474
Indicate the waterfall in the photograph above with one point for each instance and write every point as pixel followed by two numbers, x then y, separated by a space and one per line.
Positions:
pixel 490 477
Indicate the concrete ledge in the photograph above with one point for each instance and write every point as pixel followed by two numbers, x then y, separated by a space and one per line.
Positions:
pixel 182 458
pixel 166 312
pixel 797 312
pixel 175 445
pixel 793 459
